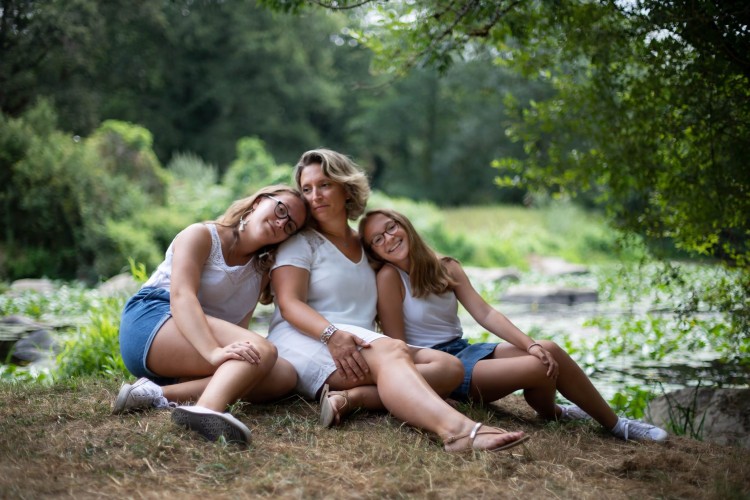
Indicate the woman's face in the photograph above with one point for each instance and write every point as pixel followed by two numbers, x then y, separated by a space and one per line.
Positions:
pixel 327 198
pixel 387 239
pixel 276 217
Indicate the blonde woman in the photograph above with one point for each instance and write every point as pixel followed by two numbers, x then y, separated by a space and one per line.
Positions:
pixel 326 296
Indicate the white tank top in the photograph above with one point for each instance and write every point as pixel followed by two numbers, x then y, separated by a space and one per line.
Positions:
pixel 226 292
pixel 430 320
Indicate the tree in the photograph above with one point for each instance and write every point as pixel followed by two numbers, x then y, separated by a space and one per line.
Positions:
pixel 650 109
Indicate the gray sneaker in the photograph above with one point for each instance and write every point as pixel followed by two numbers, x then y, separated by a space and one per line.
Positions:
pixel 572 412
pixel 140 395
pixel 641 431
pixel 211 424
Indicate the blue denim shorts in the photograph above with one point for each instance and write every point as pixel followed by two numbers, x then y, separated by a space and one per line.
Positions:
pixel 469 355
pixel 143 316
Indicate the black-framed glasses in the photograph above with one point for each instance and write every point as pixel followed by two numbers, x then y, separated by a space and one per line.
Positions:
pixel 281 211
pixel 379 239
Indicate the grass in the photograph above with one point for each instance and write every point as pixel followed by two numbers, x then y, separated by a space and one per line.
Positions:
pixel 60 440
pixel 508 235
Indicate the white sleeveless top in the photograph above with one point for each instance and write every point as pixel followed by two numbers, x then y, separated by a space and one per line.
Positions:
pixel 431 320
pixel 225 292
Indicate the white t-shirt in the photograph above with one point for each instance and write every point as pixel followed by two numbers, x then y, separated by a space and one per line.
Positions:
pixel 226 292
pixel 342 291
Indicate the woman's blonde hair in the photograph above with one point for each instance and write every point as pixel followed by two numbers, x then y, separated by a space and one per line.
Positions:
pixel 342 170
pixel 266 255
pixel 427 272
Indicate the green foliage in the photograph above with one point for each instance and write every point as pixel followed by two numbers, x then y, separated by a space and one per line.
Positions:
pixel 95 348
pixel 126 151
pixel 194 194
pixel 72 207
pixel 631 401
pixel 682 418
pixel 508 235
pixel 253 169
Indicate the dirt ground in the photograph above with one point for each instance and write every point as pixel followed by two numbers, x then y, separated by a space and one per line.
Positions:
pixel 62 442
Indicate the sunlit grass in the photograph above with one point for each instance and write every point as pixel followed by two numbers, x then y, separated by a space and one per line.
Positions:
pixel 507 235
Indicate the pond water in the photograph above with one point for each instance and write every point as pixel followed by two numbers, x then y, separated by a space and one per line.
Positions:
pixel 619 342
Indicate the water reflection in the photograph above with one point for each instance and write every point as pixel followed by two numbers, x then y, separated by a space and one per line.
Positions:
pixel 611 366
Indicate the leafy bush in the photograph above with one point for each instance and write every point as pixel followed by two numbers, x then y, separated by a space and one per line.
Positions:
pixel 95 348
pixel 253 169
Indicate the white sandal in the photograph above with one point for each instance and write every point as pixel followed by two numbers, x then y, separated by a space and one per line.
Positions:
pixel 475 432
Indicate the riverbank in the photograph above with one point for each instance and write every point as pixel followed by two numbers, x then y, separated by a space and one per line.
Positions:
pixel 61 441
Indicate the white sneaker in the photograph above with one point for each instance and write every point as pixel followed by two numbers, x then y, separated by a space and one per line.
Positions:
pixel 635 429
pixel 572 412
pixel 140 395
pixel 211 424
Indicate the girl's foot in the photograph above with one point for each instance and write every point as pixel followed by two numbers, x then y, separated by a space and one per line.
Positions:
pixel 333 407
pixel 488 439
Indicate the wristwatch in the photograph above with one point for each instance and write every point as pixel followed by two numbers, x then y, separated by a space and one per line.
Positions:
pixel 328 333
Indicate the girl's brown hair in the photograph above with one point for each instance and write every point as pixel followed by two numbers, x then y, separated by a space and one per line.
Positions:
pixel 265 256
pixel 427 272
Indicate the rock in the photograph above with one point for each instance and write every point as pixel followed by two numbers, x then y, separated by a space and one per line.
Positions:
pixel 34 285
pixel 549 294
pixel 37 346
pixel 122 284
pixel 555 266
pixel 717 415
pixel 13 328
pixel 485 275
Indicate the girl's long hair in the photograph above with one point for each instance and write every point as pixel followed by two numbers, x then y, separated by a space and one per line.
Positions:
pixel 427 272
pixel 266 255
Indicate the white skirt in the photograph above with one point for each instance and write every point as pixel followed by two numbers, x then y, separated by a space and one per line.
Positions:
pixel 310 357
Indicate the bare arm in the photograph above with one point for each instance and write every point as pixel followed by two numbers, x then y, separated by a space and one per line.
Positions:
pixel 290 286
pixel 191 249
pixel 391 302
pixel 493 320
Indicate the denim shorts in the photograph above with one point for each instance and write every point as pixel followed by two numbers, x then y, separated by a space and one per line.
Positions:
pixel 143 316
pixel 469 355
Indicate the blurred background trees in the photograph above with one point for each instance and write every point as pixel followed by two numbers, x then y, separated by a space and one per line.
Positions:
pixel 122 122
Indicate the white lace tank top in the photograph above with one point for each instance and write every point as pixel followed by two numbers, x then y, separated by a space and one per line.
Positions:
pixel 430 320
pixel 226 292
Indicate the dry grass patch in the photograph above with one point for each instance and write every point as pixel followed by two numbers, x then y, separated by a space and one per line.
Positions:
pixel 61 441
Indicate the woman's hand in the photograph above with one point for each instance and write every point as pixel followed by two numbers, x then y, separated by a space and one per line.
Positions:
pixel 344 348
pixel 241 351
pixel 547 360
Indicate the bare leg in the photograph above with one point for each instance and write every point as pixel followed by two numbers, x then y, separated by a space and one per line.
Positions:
pixel 511 369
pixel 171 355
pixel 442 371
pixel 407 395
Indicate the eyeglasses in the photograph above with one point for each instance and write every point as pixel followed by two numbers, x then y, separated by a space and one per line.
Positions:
pixel 281 211
pixel 379 238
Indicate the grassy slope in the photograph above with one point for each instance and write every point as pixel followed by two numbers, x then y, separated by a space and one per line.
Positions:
pixel 508 235
pixel 61 441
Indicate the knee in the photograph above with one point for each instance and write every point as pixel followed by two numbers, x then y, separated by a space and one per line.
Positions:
pixel 552 347
pixel 453 369
pixel 395 348
pixel 268 352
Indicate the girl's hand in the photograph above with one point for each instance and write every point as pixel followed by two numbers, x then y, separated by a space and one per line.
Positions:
pixel 241 351
pixel 547 360
pixel 344 348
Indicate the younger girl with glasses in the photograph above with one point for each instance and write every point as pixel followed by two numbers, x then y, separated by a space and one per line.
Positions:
pixel 185 333
pixel 418 295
